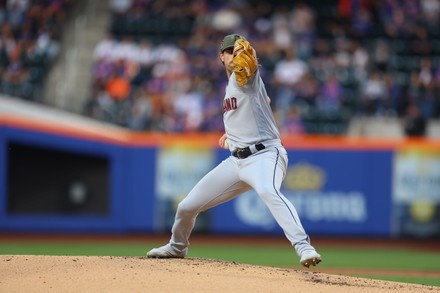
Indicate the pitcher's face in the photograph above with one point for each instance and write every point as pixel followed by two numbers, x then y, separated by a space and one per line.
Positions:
pixel 226 57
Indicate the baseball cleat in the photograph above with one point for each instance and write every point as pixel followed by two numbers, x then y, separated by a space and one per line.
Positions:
pixel 164 252
pixel 310 258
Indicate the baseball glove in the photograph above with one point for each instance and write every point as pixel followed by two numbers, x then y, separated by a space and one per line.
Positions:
pixel 244 61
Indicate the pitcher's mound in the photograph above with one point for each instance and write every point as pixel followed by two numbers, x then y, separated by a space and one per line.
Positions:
pixel 30 273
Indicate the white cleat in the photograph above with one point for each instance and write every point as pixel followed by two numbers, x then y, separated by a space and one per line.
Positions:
pixel 164 252
pixel 310 258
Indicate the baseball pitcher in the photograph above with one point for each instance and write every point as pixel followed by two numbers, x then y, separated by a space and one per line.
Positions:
pixel 258 159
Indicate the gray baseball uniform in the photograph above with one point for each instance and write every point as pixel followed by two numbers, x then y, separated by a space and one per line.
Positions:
pixel 249 122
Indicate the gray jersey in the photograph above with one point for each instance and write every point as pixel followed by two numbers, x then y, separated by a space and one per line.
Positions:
pixel 247 114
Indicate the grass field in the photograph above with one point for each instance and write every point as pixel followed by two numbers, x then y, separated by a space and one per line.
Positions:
pixel 393 264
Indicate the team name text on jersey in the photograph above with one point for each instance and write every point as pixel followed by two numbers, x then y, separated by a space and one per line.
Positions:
pixel 229 104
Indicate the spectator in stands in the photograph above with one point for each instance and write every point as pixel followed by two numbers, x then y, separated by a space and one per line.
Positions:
pixel 302 25
pixel 414 122
pixel 118 87
pixel 280 28
pixel 188 109
pixel 362 20
pixel 360 60
pixel 343 53
pixel 47 43
pixel 430 12
pixel 141 111
pixel 16 12
pixel 227 18
pixel 420 45
pixel 426 74
pixel 289 72
pixel 120 7
pixel 427 90
pixel 307 91
pixel 397 26
pixel 381 55
pixel 330 94
pixel 394 103
pixel 294 123
pixel 15 74
pixel 101 106
pixel 144 53
pixel 105 49
pixel 374 94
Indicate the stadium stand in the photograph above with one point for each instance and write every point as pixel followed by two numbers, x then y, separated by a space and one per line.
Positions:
pixel 329 65
pixel 326 62
pixel 29 44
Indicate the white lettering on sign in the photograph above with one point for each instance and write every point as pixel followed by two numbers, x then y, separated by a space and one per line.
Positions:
pixel 331 206
pixel 312 206
pixel 417 176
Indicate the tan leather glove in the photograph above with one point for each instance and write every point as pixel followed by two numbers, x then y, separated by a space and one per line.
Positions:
pixel 245 61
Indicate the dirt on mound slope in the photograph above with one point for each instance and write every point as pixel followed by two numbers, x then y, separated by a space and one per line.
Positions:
pixel 29 273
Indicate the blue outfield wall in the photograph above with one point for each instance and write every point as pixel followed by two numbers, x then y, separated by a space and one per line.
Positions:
pixel 336 192
pixel 131 183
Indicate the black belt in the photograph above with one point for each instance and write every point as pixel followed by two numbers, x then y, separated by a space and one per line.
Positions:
pixel 243 153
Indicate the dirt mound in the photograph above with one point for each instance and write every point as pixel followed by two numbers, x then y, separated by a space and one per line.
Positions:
pixel 29 273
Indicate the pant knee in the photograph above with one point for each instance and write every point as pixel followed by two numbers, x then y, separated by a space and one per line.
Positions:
pixel 184 209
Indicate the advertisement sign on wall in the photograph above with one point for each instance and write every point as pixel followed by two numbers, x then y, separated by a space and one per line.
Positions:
pixel 334 192
pixel 178 169
pixel 416 195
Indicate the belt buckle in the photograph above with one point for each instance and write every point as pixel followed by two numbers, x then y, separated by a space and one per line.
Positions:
pixel 239 151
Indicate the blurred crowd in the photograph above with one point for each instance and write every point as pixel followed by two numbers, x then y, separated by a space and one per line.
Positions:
pixel 30 31
pixel 158 68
